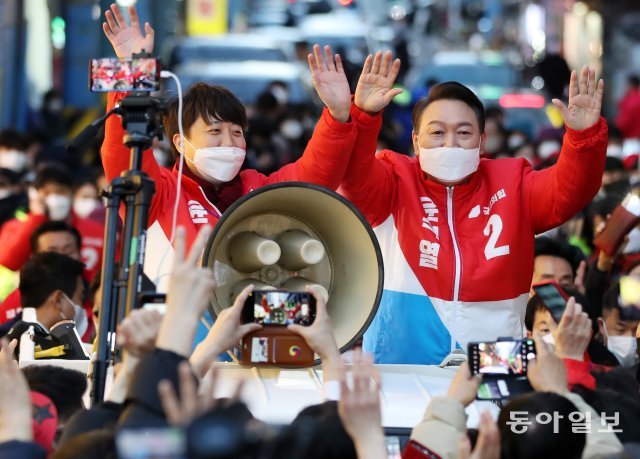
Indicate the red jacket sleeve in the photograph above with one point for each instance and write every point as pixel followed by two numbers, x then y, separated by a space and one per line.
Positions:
pixel 116 158
pixel 578 373
pixel 325 158
pixel 369 182
pixel 15 240
pixel 556 194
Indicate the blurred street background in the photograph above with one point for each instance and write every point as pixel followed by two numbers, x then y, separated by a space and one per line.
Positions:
pixel 516 55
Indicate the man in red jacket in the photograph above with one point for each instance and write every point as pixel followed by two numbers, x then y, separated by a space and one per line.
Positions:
pixel 50 200
pixel 214 122
pixel 456 231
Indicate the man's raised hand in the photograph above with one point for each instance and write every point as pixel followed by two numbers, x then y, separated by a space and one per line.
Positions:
pixel 127 39
pixel 585 100
pixel 375 86
pixel 330 82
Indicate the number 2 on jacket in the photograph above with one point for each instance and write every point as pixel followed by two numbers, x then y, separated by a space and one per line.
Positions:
pixel 493 230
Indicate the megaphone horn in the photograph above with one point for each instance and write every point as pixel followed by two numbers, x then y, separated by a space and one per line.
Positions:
pixel 321 238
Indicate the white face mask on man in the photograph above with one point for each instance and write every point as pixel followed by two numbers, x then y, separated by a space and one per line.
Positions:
pixel 79 317
pixel 83 207
pixel 623 347
pixel 449 164
pixel 218 164
pixel 58 206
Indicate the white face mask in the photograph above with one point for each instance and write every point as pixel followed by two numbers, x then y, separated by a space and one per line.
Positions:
pixel 14 160
pixel 614 150
pixel 548 338
pixel 515 141
pixel 5 193
pixel 449 164
pixel 58 206
pixel 218 164
pixel 79 317
pixel 83 207
pixel 291 129
pixel 548 148
pixel 623 347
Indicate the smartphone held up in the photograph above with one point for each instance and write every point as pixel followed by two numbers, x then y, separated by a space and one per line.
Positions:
pixel 553 297
pixel 279 307
pixel 132 74
pixel 503 366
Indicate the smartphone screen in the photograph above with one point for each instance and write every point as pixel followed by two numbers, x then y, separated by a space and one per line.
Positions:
pixel 501 358
pixel 113 74
pixel 553 298
pixel 279 307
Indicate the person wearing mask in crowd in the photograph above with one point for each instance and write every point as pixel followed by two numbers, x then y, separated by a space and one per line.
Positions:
pixel 496 143
pixel 12 151
pixel 457 231
pixel 13 201
pixel 629 110
pixel 616 333
pixel 50 199
pixel 214 149
pixel 59 237
pixel 87 202
pixel 13 204
pixel 51 283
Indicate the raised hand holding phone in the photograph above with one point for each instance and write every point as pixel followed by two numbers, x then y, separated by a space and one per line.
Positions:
pixel 573 334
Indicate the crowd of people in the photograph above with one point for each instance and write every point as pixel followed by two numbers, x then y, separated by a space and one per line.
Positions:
pixel 470 218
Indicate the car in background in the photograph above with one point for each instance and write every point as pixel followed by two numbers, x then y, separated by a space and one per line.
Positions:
pixel 524 110
pixel 229 48
pixel 485 70
pixel 344 31
pixel 247 80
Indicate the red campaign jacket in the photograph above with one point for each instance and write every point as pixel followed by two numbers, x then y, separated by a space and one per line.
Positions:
pixel 16 249
pixel 323 163
pixel 459 260
pixel 628 113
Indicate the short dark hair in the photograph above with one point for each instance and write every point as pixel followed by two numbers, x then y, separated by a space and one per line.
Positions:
pixel 610 300
pixel 207 102
pixel 52 173
pixel 46 272
pixel 534 305
pixel 540 440
pixel 100 443
pixel 65 387
pixel 306 435
pixel 544 245
pixel 453 91
pixel 54 226
pixel 634 80
pixel 12 140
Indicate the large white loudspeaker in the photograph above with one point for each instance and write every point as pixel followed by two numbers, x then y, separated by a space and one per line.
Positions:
pixel 292 234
